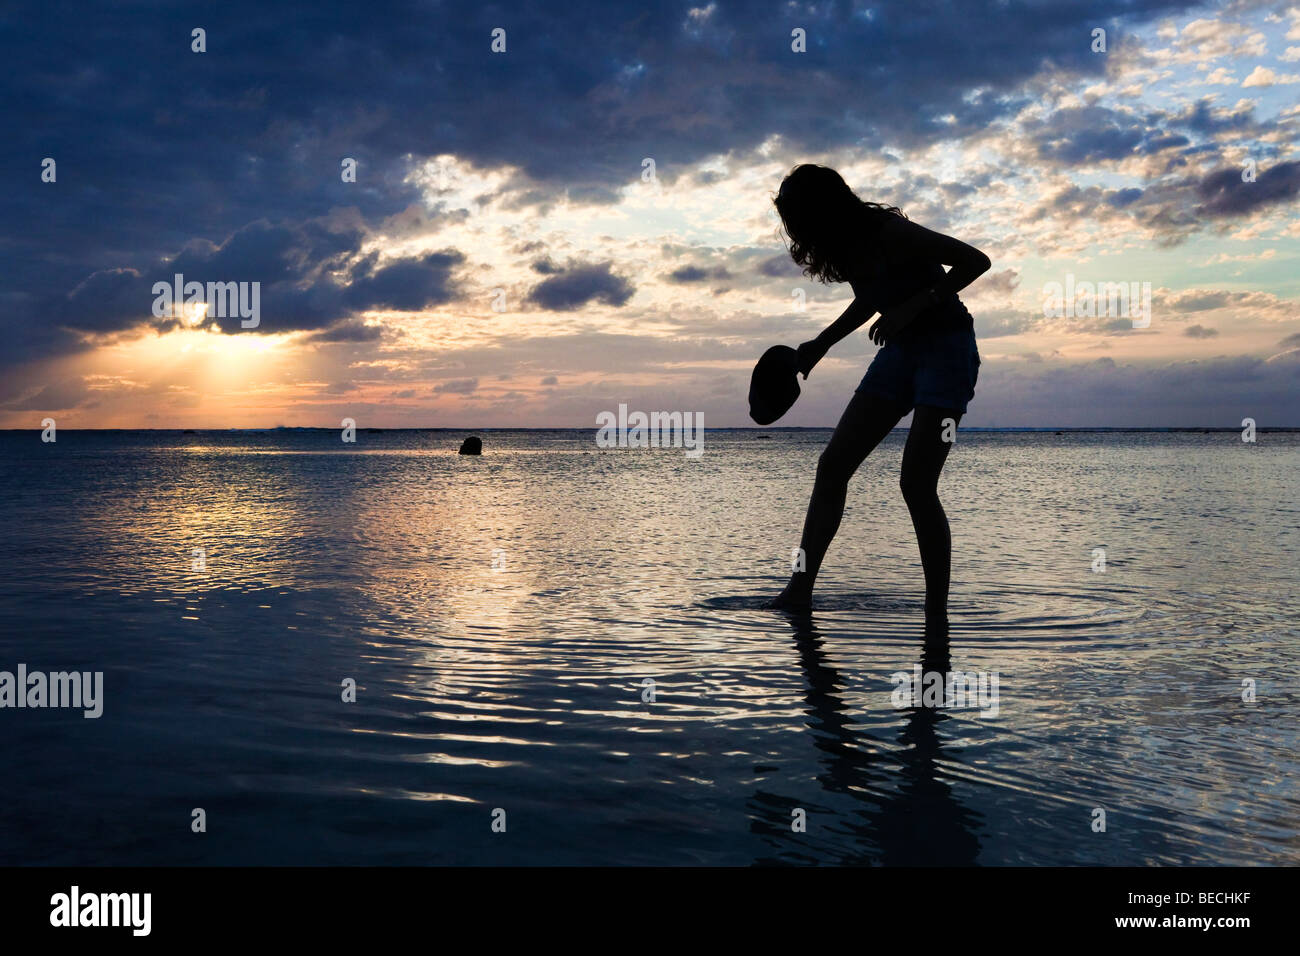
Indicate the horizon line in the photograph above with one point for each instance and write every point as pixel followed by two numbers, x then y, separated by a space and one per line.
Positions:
pixel 754 428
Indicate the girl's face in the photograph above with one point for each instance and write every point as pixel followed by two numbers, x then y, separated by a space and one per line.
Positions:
pixel 805 220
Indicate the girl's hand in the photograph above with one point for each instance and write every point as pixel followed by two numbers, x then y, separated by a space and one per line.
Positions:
pixel 895 320
pixel 810 353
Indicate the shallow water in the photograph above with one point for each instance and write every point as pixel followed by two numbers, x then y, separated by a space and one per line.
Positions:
pixel 501 616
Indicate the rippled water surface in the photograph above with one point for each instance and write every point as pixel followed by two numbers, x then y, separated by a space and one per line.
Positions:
pixel 502 617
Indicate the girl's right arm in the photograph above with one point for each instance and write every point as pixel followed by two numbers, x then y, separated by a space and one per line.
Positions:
pixel 851 319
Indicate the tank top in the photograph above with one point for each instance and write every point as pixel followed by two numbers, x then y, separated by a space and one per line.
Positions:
pixel 886 283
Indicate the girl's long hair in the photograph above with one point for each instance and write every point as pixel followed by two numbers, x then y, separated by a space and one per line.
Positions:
pixel 825 221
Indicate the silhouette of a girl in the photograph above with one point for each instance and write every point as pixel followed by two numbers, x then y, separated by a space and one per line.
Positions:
pixel 927 361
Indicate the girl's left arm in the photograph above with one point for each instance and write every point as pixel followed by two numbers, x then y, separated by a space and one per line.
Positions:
pixel 913 241
pixel 965 261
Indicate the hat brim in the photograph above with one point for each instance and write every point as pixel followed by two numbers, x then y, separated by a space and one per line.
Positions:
pixel 774 386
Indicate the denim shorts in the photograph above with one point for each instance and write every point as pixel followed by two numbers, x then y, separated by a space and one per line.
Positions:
pixel 938 369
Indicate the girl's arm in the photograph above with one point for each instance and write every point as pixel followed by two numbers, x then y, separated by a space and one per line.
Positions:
pixel 911 241
pixel 851 319
pixel 916 242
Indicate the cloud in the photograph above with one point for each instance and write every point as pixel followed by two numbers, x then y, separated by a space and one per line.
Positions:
pixel 779 267
pixel 350 332
pixel 305 284
pixel 54 397
pixel 226 166
pixel 574 287
pixel 1263 76
pixel 1226 194
pixel 1200 332
pixel 407 285
pixel 1002 282
pixel 459 386
pixel 1090 134
pixel 1174 208
pixel 993 323
pixel 1205 300
pixel 1220 391
pixel 689 274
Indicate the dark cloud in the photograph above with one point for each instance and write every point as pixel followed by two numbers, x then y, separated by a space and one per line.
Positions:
pixel 1205 118
pixel 54 397
pixel 104 301
pixel 406 285
pixel 574 287
pixel 225 165
pixel 1176 207
pixel 1200 332
pixel 779 267
pixel 299 290
pixel 459 386
pixel 1120 198
pixel 157 145
pixel 688 274
pixel 1225 193
pixel 350 332
pixel 1090 134
pixel 259 251
pixel 1178 201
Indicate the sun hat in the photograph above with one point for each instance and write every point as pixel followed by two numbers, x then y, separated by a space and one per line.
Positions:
pixel 774 386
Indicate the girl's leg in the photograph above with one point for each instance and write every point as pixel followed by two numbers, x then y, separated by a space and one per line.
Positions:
pixel 866 421
pixel 923 459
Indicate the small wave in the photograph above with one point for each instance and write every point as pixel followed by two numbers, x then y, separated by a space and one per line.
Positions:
pixel 983 611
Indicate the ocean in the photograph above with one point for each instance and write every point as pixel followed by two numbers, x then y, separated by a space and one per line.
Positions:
pixel 382 652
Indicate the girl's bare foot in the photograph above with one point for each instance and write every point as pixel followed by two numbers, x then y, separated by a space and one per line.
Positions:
pixel 797 596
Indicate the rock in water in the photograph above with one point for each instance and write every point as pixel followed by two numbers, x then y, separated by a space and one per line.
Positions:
pixel 471 446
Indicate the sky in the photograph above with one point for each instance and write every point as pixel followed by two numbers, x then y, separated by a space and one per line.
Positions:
pixel 581 217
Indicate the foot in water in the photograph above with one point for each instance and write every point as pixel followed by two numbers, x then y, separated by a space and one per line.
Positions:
pixel 797 596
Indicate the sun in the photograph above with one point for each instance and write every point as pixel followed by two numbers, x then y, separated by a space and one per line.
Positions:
pixel 195 312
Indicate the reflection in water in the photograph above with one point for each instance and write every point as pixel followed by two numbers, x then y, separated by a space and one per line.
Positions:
pixel 500 615
pixel 916 821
